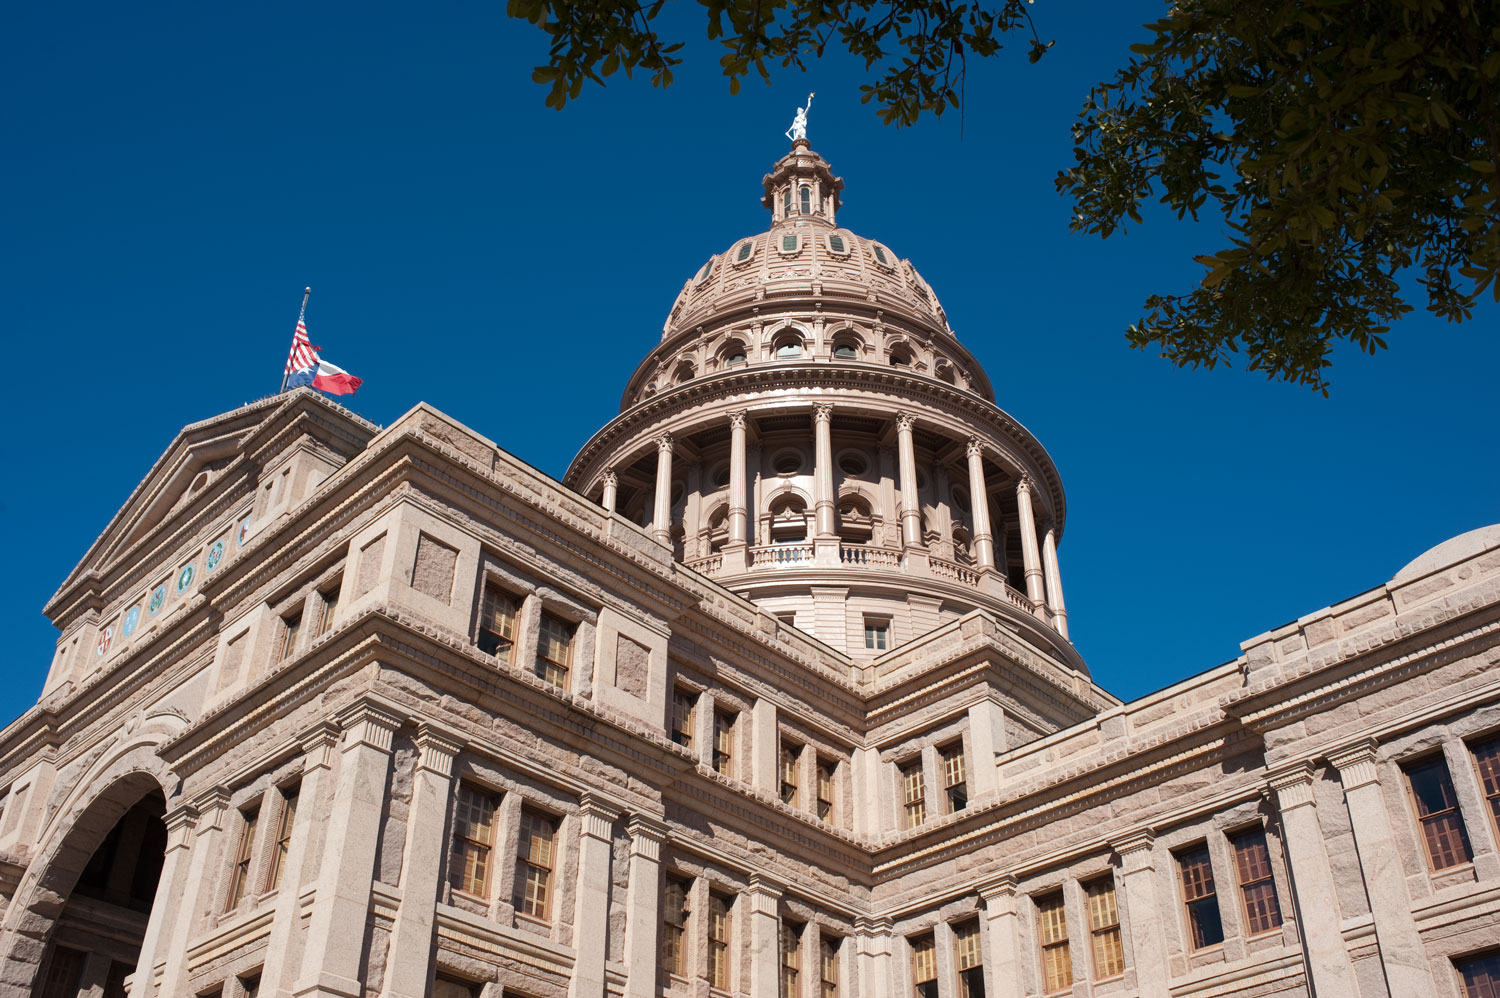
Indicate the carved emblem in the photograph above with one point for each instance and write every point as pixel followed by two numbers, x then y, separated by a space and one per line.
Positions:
pixel 215 555
pixel 132 618
pixel 185 578
pixel 158 597
pixel 244 534
pixel 106 638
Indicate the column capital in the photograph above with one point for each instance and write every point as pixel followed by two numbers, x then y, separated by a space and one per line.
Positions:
pixel 367 724
pixel 1292 784
pixel 1134 849
pixel 180 821
pixel 739 419
pixel 437 748
pixel 609 477
pixel 318 743
pixel 664 442
pixel 1025 483
pixel 211 805
pixel 596 816
pixel 873 925
pixel 974 448
pixel 646 836
pixel 766 886
pixel 905 421
pixel 823 412
pixel 1356 763
pixel 999 893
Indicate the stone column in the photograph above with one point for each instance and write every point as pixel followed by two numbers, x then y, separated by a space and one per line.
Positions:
pixel 979 506
pixel 198 890
pixel 765 747
pixel 643 917
pixel 738 515
pixel 179 821
pixel 1313 894
pixel 661 519
pixel 1401 952
pixel 875 972
pixel 765 937
pixel 906 455
pixel 336 930
pixel 1002 926
pixel 280 978
pixel 1148 949
pixel 1054 580
pixel 823 496
pixel 596 821
pixel 611 489
pixel 1029 556
pixel 408 965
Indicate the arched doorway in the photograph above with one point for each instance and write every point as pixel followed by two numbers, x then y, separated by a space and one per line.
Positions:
pixel 89 906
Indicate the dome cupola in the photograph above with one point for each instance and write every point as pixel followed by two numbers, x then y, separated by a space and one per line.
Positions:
pixel 802 189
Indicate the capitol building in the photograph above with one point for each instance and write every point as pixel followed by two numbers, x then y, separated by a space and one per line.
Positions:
pixel 772 696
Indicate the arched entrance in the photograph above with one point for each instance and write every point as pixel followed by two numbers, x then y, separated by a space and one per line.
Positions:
pixel 85 913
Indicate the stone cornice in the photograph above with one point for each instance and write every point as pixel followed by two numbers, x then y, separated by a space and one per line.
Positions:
pixel 731 388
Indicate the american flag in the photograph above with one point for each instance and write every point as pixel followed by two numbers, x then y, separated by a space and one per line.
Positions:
pixel 303 354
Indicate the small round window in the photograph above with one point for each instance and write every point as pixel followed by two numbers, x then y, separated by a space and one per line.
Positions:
pixel 836 244
pixel 853 464
pixel 787 462
pixel 746 248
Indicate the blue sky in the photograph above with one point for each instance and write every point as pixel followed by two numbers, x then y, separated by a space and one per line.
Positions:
pixel 177 172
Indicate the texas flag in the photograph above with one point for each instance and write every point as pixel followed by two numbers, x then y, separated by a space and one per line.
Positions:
pixel 304 367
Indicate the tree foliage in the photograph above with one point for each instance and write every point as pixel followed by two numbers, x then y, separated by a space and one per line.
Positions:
pixel 918 48
pixel 1346 144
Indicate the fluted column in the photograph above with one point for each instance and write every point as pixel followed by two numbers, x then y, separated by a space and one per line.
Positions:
pixel 1401 951
pixel 1002 925
pixel 179 821
pixel 336 930
pixel 737 512
pixel 611 489
pixel 643 915
pixel 823 496
pixel 661 519
pixel 408 966
pixel 765 937
pixel 300 870
pixel 1147 943
pixel 906 455
pixel 1317 902
pixel 1054 580
pixel 979 505
pixel 1029 555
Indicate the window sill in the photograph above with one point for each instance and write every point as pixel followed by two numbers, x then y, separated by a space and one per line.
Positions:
pixel 523 919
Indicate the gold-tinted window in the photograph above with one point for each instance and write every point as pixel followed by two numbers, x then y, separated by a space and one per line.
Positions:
pixel 239 883
pixel 554 652
pixel 913 794
pixel 1480 974
pixel 684 711
pixel 1052 933
pixel 827 770
pixel 330 600
pixel 497 623
pixel 968 956
pixel 955 779
pixel 674 916
pixel 791 959
pixel 924 966
pixel 284 825
pixel 791 758
pixel 719 909
pixel 535 855
pixel 291 626
pixel 1487 761
pixel 473 840
pixel 1104 928
pixel 828 961
pixel 1252 862
pixel 724 742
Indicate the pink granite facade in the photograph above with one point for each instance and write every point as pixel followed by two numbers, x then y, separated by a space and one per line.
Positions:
pixel 771 697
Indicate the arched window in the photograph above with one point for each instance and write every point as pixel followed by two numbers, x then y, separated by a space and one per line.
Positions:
pixel 718 528
pixel 807 201
pixel 788 346
pixel 845 351
pixel 786 201
pixel 788 519
pixel 945 373
pixel 732 353
pixel 900 357
pixel 684 372
pixel 855 523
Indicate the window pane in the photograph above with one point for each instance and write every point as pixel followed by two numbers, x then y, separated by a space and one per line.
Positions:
pixel 554 650
pixel 1252 861
pixel 1481 975
pixel 1104 928
pixel 1487 760
pixel 1204 924
pixel 1437 811
pixel 836 243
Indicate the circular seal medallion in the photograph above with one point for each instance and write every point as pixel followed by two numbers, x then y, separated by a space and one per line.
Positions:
pixel 215 555
pixel 106 637
pixel 158 597
pixel 184 578
pixel 132 617
pixel 244 531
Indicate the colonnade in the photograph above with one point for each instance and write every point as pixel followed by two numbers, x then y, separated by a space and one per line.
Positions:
pixel 1043 585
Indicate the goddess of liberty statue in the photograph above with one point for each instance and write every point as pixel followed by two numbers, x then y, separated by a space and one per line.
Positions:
pixel 799 123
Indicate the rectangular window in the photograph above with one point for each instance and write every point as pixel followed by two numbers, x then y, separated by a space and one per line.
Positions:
pixel 791 960
pixel 554 651
pixel 1487 760
pixel 724 742
pixel 1052 933
pixel 924 967
pixel 955 781
pixel 330 600
pixel 250 986
pixel 1198 896
pixel 1104 928
pixel 1437 812
pixel 827 769
pixel 719 910
pixel 791 759
pixel 497 623
pixel 239 883
pixel 1252 861
pixel 674 916
pixel 291 626
pixel 828 966
pixel 535 848
pixel 283 836
pixel 968 956
pixel 913 794
pixel 473 840
pixel 1480 974
pixel 684 713
pixel 877 634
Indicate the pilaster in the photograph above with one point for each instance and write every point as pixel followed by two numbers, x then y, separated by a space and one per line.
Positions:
pixel 643 917
pixel 318 748
pixel 764 896
pixel 596 820
pixel 1147 931
pixel 1002 977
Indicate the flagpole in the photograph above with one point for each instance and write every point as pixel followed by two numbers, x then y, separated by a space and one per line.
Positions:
pixel 301 314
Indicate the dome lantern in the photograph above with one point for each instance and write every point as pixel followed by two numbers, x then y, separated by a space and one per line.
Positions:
pixel 801 187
